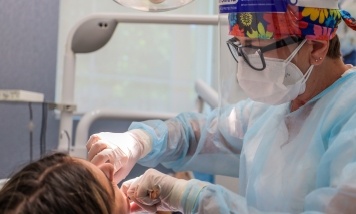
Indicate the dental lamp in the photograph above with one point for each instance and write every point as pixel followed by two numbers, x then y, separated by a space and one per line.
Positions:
pixel 89 35
pixel 153 5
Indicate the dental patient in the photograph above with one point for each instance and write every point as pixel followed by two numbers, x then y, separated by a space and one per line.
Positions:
pixel 59 183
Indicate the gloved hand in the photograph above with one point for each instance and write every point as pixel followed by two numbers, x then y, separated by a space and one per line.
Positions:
pixel 169 197
pixel 122 150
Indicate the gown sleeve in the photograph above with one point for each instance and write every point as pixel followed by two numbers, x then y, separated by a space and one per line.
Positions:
pixel 334 190
pixel 198 142
pixel 336 176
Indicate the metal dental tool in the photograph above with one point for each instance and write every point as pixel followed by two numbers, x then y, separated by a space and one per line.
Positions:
pixel 155 192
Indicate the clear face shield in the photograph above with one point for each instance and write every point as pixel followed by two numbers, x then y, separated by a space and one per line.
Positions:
pixel 260 52
pixel 153 5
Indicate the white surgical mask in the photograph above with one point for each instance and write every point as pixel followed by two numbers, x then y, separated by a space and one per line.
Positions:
pixel 280 82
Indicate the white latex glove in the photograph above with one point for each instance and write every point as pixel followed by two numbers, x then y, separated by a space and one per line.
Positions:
pixel 122 150
pixel 171 191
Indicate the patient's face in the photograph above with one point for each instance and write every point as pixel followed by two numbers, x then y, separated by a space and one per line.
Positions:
pixel 121 202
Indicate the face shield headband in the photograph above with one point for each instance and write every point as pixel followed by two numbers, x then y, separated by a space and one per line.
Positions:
pixel 305 22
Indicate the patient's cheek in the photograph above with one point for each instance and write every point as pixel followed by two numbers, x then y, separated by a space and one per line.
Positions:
pixel 122 204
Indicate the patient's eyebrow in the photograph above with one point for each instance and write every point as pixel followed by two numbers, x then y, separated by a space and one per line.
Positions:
pixel 112 191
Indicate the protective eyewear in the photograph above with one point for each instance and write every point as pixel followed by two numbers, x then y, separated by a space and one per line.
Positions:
pixel 250 52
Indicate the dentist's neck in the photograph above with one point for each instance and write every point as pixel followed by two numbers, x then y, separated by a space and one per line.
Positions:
pixel 322 76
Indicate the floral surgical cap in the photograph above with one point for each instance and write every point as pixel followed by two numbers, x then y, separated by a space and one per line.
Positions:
pixel 306 22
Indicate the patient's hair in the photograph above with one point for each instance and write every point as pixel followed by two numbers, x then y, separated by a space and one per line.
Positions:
pixel 54 184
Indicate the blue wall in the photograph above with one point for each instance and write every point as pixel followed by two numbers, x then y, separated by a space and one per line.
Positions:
pixel 28 48
pixel 28 54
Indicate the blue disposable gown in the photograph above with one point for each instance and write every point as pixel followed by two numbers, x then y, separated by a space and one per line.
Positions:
pixel 287 162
